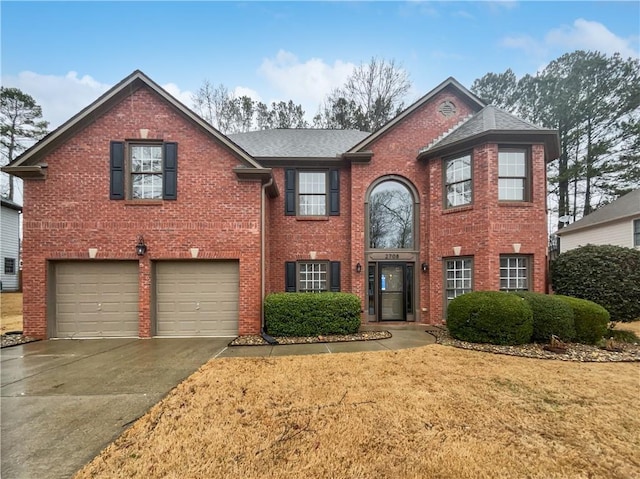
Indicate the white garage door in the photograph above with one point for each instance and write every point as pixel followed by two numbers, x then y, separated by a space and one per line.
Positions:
pixel 96 299
pixel 197 298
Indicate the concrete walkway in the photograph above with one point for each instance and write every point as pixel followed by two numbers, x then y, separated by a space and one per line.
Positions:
pixel 63 401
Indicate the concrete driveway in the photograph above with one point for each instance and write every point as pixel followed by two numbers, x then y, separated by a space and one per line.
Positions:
pixel 63 401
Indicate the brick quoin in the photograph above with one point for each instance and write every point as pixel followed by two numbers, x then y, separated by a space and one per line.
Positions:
pixel 216 212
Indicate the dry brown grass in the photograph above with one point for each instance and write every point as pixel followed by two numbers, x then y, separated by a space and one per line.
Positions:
pixel 11 312
pixel 432 412
pixel 633 326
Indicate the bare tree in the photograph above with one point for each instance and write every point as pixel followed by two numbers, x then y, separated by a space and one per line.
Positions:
pixel 374 93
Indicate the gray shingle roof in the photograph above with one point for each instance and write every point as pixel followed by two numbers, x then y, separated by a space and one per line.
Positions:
pixel 489 118
pixel 297 143
pixel 624 207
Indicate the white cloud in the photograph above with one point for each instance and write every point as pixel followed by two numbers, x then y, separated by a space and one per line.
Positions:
pixel 60 97
pixel 587 35
pixel 240 91
pixel 525 43
pixel 305 83
pixel 182 96
pixel 582 35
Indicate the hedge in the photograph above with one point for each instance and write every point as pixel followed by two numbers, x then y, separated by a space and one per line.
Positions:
pixel 605 274
pixel 590 319
pixel 311 314
pixel 493 317
pixel 551 317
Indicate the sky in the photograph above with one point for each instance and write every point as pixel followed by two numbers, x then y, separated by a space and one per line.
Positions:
pixel 65 54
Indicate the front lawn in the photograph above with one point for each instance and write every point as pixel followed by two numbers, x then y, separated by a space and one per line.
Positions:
pixel 429 412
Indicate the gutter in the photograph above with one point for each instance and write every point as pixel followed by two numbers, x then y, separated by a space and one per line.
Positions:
pixel 265 336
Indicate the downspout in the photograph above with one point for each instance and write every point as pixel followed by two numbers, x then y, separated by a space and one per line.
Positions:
pixel 263 286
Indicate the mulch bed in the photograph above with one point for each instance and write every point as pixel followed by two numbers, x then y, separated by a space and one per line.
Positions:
pixel 256 340
pixel 15 339
pixel 574 351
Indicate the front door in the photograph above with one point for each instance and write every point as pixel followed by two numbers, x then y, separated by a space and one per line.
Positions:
pixel 391 285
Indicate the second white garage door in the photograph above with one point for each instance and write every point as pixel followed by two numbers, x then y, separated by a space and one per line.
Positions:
pixel 197 298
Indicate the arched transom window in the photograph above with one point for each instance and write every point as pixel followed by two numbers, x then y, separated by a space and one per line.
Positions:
pixel 391 211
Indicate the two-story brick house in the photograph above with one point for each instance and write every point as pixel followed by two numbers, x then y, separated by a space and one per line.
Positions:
pixel 140 219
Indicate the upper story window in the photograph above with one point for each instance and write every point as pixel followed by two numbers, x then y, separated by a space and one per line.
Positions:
pixel 144 171
pixel 636 233
pixel 391 216
pixel 458 181
pixel 312 192
pixel 513 173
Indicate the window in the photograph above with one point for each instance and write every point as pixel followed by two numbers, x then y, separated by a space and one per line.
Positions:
pixel 391 216
pixel 312 193
pixel 9 266
pixel 636 233
pixel 514 273
pixel 512 171
pixel 458 277
pixel 457 179
pixel 146 171
pixel 312 276
pixel 143 171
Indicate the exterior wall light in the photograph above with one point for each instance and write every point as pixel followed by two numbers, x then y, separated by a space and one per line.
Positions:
pixel 425 267
pixel 141 248
pixel 358 268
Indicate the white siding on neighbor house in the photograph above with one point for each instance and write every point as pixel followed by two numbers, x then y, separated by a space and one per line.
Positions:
pixel 617 233
pixel 10 246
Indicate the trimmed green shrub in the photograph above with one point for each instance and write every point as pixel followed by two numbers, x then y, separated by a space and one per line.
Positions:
pixel 551 316
pixel 590 319
pixel 605 274
pixel 491 317
pixel 311 314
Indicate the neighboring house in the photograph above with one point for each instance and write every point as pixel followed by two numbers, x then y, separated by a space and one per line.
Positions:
pixel 10 236
pixel 143 220
pixel 617 223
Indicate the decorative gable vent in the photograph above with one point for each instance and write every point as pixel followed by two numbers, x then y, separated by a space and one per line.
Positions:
pixel 447 108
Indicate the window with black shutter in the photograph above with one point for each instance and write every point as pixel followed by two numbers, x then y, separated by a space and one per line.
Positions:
pixel 311 192
pixel 144 170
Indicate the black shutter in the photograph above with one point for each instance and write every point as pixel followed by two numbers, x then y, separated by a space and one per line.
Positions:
pixel 334 276
pixel 290 276
pixel 116 165
pixel 334 193
pixel 290 192
pixel 170 172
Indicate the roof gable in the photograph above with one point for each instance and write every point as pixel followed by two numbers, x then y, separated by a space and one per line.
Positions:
pixel 624 207
pixel 450 82
pixel 35 155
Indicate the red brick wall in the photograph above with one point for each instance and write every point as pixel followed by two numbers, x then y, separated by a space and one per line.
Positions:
pixel 487 228
pixel 484 230
pixel 71 211
pixel 292 238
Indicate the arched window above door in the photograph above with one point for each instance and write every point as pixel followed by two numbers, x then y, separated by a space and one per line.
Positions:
pixel 391 216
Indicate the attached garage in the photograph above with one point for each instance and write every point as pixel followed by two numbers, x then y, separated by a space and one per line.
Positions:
pixel 96 299
pixel 197 298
